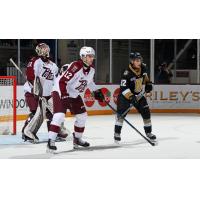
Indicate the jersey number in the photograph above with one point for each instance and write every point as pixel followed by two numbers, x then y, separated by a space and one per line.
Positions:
pixel 123 83
pixel 68 75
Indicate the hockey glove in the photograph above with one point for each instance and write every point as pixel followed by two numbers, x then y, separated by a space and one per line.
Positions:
pixel 133 100
pixel 148 87
pixel 98 95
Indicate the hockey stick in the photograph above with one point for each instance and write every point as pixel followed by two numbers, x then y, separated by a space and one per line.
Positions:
pixel 126 111
pixel 15 65
pixel 18 68
pixel 131 105
pixel 147 139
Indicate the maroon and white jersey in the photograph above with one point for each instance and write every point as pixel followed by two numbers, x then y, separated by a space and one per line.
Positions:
pixel 46 71
pixel 75 80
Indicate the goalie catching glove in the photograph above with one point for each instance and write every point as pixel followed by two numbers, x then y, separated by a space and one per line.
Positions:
pixel 98 95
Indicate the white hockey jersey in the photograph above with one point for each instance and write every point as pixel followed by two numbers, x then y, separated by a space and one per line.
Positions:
pixel 46 71
pixel 75 80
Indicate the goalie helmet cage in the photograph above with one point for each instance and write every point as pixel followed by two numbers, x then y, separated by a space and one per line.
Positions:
pixel 8 100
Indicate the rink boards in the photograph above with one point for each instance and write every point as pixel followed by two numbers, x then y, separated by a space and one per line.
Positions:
pixel 164 98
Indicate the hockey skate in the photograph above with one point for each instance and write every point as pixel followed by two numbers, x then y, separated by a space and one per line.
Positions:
pixel 64 133
pixel 30 137
pixel 51 147
pixel 78 142
pixel 61 137
pixel 152 137
pixel 117 138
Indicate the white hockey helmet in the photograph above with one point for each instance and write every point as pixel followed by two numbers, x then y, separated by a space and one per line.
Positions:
pixel 87 51
pixel 42 49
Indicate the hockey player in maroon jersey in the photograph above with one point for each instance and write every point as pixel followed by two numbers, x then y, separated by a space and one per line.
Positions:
pixel 66 95
pixel 41 73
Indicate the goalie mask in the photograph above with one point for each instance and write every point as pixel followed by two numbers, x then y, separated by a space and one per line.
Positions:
pixel 42 49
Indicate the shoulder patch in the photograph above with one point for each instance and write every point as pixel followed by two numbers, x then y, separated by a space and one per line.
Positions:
pixel 126 72
pixel 144 64
pixel 74 67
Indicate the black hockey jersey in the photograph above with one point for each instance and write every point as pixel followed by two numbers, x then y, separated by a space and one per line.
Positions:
pixel 132 81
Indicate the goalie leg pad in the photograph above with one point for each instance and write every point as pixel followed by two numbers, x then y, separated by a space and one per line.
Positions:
pixel 50 105
pixel 31 115
pixel 34 124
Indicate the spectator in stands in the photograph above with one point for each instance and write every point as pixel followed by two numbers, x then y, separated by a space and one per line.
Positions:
pixel 164 75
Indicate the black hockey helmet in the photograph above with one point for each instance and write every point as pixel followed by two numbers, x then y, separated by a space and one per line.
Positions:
pixel 135 55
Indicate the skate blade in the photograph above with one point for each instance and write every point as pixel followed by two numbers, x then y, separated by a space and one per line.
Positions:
pixel 32 141
pixel 50 151
pixel 60 139
pixel 30 138
pixel 35 141
pixel 77 147
pixel 29 135
pixel 155 142
pixel 117 142
pixel 26 139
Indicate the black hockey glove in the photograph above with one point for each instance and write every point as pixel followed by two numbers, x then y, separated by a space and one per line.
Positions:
pixel 98 95
pixel 148 87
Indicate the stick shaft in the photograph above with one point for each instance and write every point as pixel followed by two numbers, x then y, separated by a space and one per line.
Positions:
pixel 17 67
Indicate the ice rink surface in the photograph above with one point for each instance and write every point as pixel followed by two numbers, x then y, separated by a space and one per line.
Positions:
pixel 178 137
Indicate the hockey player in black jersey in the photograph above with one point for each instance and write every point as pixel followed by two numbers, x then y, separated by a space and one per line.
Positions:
pixel 131 93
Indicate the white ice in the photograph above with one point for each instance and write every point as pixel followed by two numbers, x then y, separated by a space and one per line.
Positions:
pixel 178 137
